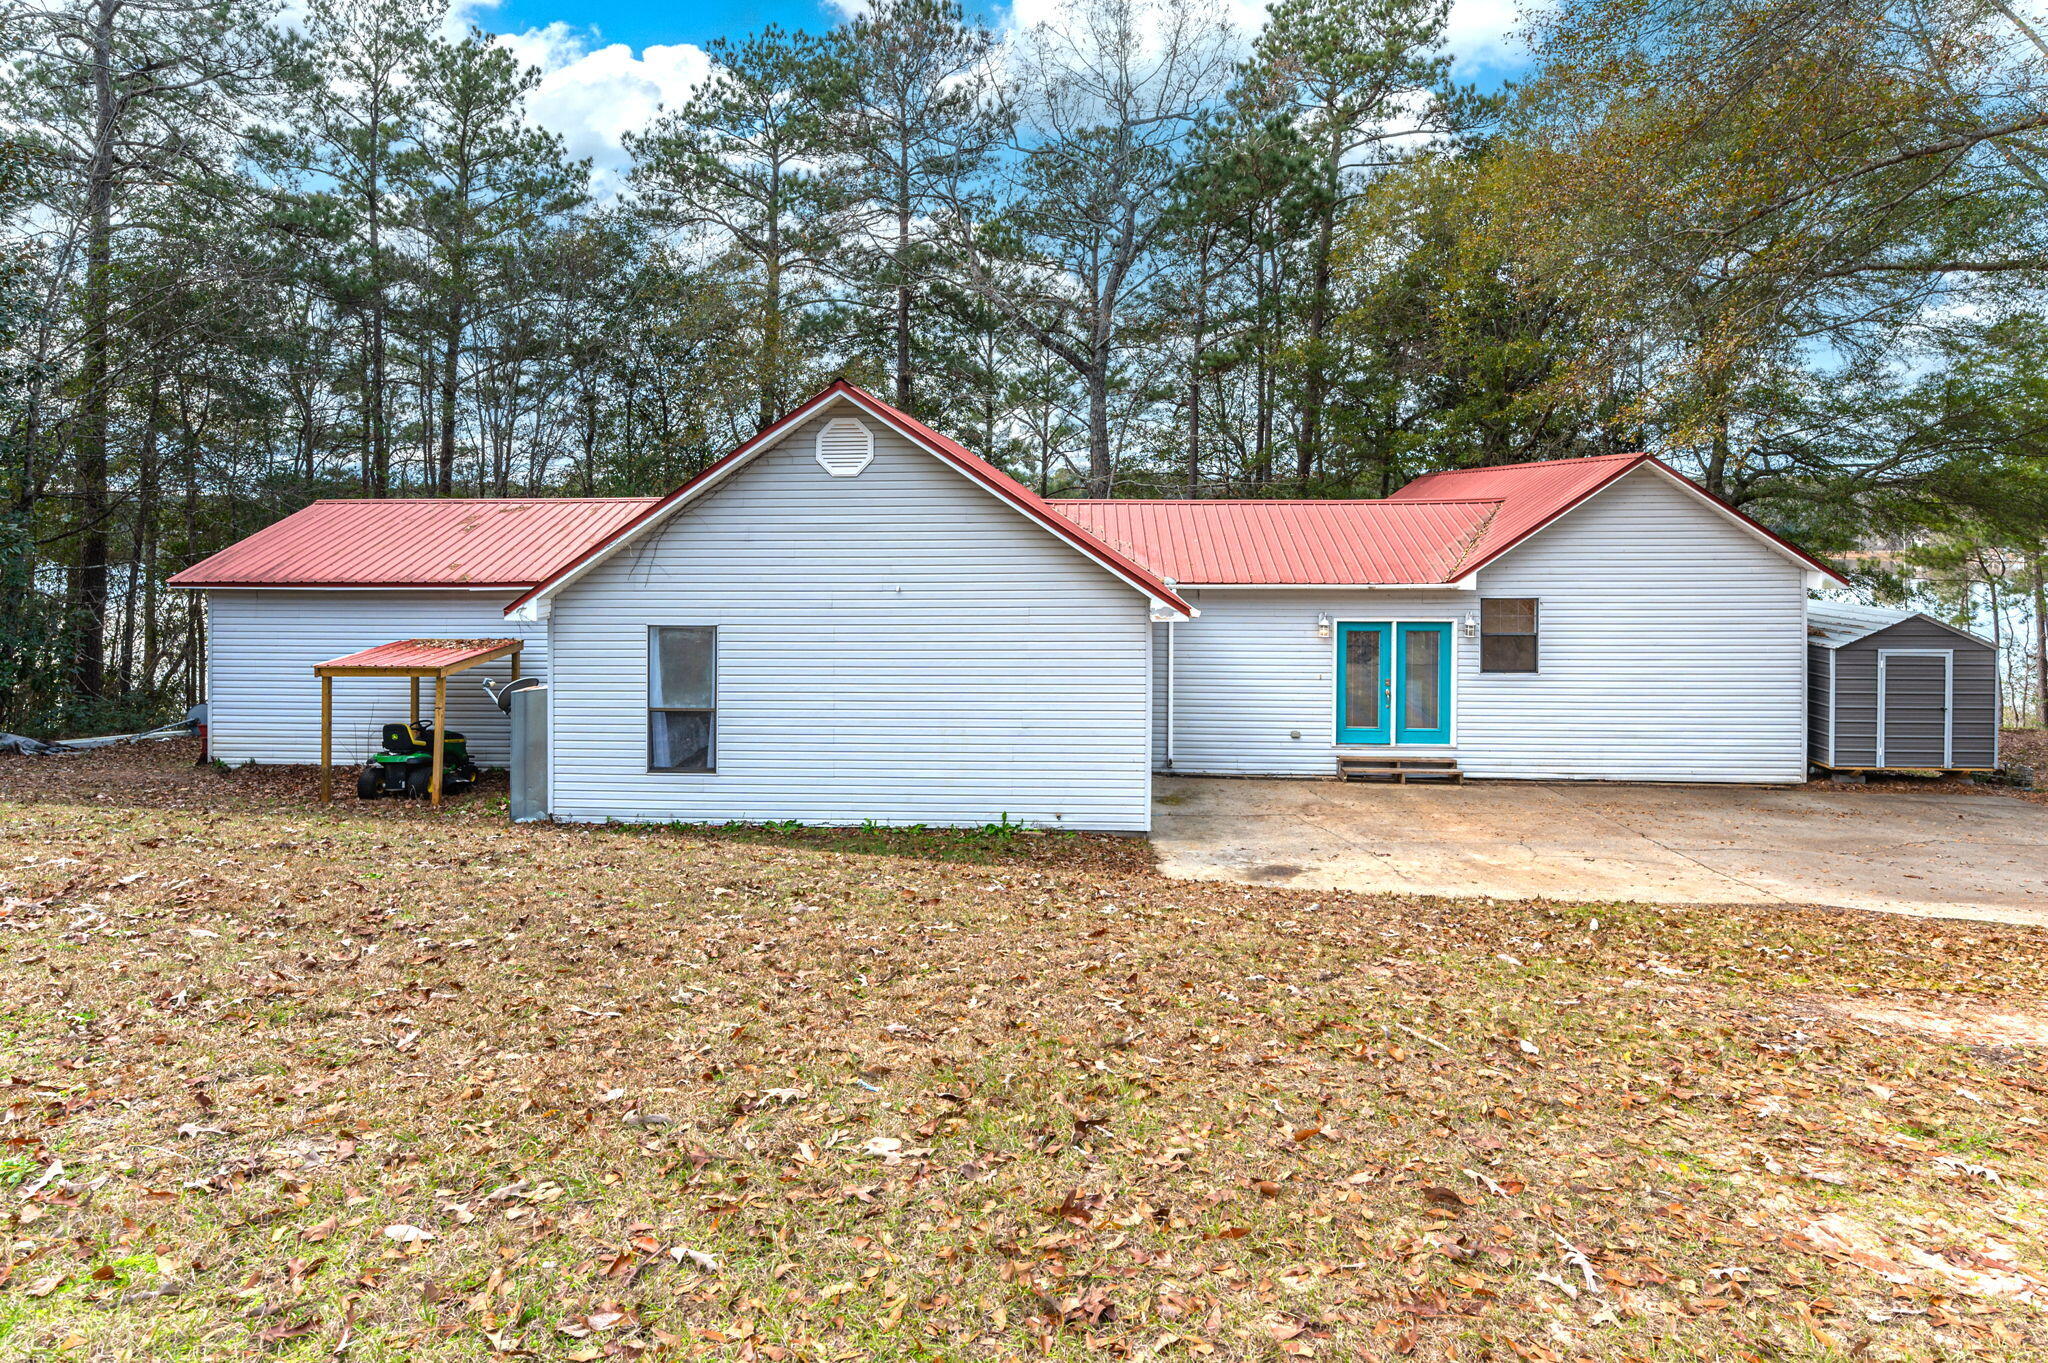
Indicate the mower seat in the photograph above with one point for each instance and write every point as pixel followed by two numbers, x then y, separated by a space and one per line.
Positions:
pixel 407 739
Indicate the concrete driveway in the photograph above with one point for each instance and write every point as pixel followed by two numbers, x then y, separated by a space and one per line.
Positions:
pixel 1959 856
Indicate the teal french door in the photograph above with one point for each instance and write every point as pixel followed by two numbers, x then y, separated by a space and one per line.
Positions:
pixel 1394 683
pixel 1365 683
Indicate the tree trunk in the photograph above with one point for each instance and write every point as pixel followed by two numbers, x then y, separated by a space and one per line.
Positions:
pixel 903 382
pixel 2040 566
pixel 145 511
pixel 1197 340
pixel 451 352
pixel 195 602
pixel 771 321
pixel 87 616
pixel 589 403
pixel 380 435
pixel 1098 423
pixel 1316 382
pixel 1718 455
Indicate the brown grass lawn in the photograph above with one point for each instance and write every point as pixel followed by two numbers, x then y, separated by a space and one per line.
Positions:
pixel 370 1083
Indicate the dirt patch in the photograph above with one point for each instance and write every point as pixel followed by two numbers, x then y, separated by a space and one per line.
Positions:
pixel 1990 1268
pixel 1959 1022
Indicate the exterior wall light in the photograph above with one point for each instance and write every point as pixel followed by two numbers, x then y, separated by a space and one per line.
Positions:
pixel 1322 627
pixel 1471 627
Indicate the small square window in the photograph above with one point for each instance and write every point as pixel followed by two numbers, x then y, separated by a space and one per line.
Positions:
pixel 1507 634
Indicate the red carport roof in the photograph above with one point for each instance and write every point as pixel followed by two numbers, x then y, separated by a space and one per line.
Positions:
pixel 425 656
pixel 1290 543
pixel 510 542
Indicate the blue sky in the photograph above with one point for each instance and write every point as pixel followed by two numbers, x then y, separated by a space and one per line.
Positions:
pixel 639 23
pixel 609 66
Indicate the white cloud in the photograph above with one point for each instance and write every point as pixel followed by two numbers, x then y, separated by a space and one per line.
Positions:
pixel 1481 34
pixel 594 96
pixel 593 93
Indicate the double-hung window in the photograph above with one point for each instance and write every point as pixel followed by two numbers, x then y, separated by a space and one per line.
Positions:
pixel 1507 634
pixel 682 698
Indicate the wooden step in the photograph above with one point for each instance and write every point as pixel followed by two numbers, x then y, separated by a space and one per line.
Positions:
pixel 1399 769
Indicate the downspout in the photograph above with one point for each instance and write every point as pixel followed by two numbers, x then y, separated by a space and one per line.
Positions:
pixel 1171 626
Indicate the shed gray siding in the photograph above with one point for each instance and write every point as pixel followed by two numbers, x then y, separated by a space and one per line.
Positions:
pixel 263 701
pixel 899 646
pixel 1976 718
pixel 1820 676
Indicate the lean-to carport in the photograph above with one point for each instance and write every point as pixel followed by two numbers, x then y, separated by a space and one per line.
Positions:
pixel 417 659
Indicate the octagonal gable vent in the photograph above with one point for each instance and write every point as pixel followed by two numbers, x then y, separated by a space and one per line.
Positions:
pixel 845 447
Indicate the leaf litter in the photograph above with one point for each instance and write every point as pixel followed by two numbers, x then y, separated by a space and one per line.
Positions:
pixel 297 1082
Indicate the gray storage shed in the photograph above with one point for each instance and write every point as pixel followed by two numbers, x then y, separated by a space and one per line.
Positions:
pixel 1893 688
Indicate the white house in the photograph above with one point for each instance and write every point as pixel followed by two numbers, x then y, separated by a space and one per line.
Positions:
pixel 852 617
pixel 346 575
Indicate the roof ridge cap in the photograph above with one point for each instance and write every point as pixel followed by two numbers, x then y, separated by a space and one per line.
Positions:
pixel 459 501
pixel 1534 464
pixel 1265 501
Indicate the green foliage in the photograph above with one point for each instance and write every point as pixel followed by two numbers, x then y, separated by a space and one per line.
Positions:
pixel 1795 248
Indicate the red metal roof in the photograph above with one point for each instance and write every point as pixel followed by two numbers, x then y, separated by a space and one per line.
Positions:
pixel 1440 527
pixel 510 542
pixel 420 654
pixel 981 471
pixel 1533 495
pixel 1437 529
pixel 1334 543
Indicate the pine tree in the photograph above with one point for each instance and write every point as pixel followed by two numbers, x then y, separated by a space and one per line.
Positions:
pixel 739 163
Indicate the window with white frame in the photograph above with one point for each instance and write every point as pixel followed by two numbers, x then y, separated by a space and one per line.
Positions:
pixel 682 698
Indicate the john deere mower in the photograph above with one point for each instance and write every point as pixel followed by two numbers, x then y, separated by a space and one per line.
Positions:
pixel 406 765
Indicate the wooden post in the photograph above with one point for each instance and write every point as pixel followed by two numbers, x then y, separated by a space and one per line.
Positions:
pixel 415 700
pixel 326 739
pixel 440 744
pixel 515 664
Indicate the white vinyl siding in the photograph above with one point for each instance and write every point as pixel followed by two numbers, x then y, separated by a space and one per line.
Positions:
pixel 900 646
pixel 263 701
pixel 1249 672
pixel 1673 649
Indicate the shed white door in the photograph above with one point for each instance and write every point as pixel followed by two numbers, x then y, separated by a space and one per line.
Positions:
pixel 1915 700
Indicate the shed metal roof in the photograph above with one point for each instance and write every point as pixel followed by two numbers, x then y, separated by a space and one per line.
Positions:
pixel 510 542
pixel 1832 624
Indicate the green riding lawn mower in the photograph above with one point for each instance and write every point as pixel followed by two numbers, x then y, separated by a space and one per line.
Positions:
pixel 406 765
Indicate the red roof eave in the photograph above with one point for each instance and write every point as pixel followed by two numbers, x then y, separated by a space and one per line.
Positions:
pixel 399 543
pixel 990 477
pixel 1633 463
pixel 421 654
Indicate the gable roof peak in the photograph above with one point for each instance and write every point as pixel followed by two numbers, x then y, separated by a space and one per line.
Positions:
pixel 943 447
